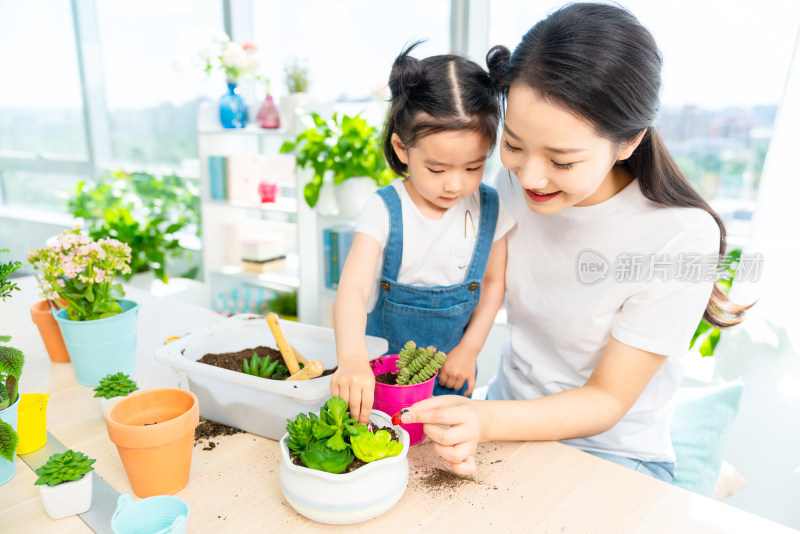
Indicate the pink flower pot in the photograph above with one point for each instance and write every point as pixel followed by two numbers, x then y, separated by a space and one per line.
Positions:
pixel 392 399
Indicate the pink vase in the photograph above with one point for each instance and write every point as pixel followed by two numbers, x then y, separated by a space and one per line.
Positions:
pixel 268 116
pixel 392 399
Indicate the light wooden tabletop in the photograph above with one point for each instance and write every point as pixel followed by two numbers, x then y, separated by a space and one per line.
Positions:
pixel 518 487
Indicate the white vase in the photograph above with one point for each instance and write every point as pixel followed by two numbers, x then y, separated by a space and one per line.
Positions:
pixel 288 108
pixel 67 498
pixel 352 194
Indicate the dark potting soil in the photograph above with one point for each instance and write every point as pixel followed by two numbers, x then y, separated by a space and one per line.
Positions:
pixel 234 360
pixel 387 378
pixel 356 463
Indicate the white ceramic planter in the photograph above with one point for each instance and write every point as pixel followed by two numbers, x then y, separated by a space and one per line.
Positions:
pixel 352 194
pixel 253 404
pixel 346 498
pixel 67 498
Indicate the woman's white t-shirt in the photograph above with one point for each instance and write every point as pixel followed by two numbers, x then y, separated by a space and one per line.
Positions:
pixel 436 252
pixel 628 268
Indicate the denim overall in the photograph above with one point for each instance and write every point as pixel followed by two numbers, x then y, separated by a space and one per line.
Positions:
pixel 437 315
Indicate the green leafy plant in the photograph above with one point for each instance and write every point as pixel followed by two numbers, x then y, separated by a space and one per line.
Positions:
pixel 263 368
pixel 707 335
pixel 6 269
pixel 334 421
pixel 11 363
pixel 301 431
pixel 116 385
pixel 283 304
pixel 143 210
pixel 417 364
pixel 64 467
pixel 369 447
pixel 319 456
pixel 81 272
pixel 331 441
pixel 296 75
pixel 348 147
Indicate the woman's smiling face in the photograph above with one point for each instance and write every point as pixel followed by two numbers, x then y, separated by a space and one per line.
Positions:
pixel 558 158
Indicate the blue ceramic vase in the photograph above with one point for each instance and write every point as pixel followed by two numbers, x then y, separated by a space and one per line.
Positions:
pixel 232 108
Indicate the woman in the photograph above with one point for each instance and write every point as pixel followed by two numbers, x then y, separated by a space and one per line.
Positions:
pixel 603 291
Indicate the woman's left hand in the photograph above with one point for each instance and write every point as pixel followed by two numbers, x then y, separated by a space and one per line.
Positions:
pixel 455 425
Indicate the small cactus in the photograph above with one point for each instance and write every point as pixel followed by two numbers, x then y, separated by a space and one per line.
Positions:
pixel 417 364
pixel 64 467
pixel 116 385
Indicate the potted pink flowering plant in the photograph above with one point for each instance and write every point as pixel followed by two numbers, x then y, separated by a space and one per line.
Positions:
pixel 97 324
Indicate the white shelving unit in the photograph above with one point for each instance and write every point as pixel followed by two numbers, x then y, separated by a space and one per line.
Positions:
pixel 225 223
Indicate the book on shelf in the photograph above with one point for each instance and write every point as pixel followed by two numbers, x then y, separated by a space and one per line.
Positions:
pixel 336 243
pixel 218 177
pixel 267 266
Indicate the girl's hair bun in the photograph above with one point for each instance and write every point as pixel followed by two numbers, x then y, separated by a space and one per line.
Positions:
pixel 497 59
pixel 407 73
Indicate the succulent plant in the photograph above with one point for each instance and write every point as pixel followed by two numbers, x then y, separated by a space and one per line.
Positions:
pixel 328 442
pixel 64 467
pixel 116 385
pixel 301 431
pixel 417 364
pixel 262 367
pixel 11 362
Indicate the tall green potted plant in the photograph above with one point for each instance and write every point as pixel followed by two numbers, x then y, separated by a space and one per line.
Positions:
pixel 350 149
pixel 11 362
pixel 98 325
pixel 143 210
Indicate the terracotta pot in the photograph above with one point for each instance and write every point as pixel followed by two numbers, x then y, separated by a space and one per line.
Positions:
pixel 48 329
pixel 153 430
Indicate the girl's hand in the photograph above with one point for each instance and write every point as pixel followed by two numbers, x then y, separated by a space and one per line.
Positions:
pixel 455 424
pixel 459 367
pixel 354 382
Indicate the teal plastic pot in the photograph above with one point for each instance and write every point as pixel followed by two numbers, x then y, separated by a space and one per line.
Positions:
pixel 9 469
pixel 103 346
pixel 161 514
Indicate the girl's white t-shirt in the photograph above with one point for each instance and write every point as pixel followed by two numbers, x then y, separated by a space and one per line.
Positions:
pixel 628 268
pixel 436 252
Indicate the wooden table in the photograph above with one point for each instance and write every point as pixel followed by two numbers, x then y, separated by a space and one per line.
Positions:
pixel 518 487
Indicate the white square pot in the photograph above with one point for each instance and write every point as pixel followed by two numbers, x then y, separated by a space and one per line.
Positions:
pixel 254 404
pixel 67 498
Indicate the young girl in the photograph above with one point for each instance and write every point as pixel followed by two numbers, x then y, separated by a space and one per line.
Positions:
pixel 428 256
pixel 602 295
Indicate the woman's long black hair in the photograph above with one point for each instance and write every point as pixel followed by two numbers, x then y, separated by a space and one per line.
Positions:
pixel 601 63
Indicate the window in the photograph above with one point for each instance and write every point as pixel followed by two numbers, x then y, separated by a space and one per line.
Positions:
pixel 349 45
pixel 723 77
pixel 152 107
pixel 41 110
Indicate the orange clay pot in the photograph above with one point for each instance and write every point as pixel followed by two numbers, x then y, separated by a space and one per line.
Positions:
pixel 50 332
pixel 157 457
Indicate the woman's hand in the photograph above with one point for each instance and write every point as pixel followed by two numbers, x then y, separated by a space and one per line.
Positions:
pixel 455 425
pixel 459 367
pixel 354 382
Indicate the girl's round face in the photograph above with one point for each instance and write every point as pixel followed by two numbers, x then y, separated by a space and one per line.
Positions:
pixel 559 159
pixel 443 168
